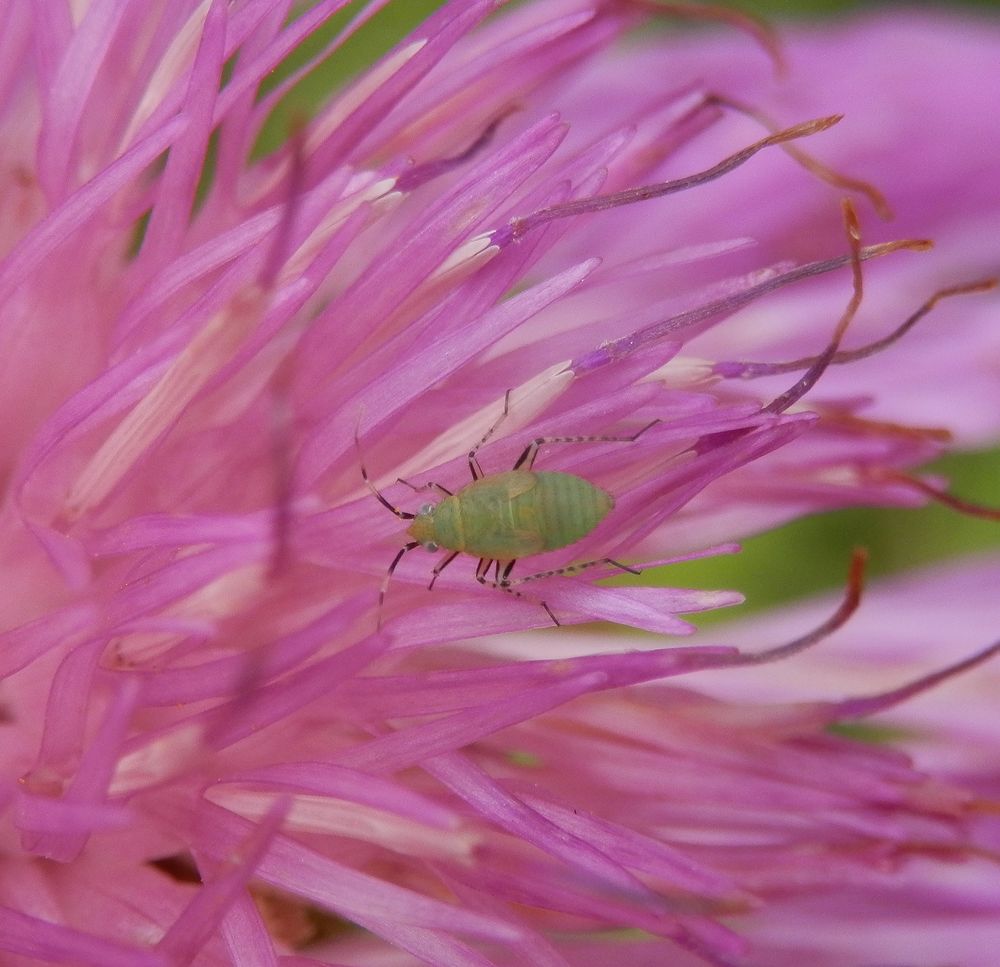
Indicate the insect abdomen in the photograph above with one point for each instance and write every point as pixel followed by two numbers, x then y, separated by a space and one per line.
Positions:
pixel 569 507
pixel 515 514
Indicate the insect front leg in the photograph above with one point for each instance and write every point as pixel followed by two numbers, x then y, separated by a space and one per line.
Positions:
pixel 527 458
pixel 425 486
pixel 440 566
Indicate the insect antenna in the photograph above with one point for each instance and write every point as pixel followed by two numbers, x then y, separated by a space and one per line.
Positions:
pixel 401 514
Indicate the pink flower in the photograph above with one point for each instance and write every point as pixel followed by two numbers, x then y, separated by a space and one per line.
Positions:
pixel 915 908
pixel 213 752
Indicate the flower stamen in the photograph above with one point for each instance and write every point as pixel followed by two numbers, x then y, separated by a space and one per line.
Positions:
pixel 744 370
pixel 519 226
pixel 821 362
pixel 756 27
pixel 847 607
pixel 966 507
pixel 822 171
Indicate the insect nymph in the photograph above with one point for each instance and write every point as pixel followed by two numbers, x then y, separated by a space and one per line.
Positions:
pixel 503 517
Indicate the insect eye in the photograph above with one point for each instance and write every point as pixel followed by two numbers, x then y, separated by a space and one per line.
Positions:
pixel 426 509
pixel 430 546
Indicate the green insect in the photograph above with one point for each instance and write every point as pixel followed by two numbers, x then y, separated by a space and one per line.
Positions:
pixel 503 517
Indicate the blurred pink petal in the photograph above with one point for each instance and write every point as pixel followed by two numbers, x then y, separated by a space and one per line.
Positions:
pixel 919 911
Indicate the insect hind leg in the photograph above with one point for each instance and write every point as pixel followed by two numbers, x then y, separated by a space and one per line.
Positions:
pixel 527 458
pixel 501 581
pixel 569 569
pixel 506 584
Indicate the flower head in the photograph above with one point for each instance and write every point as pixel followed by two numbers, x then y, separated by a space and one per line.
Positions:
pixel 222 742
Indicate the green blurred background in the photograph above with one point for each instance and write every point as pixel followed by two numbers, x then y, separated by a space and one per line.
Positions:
pixel 810 554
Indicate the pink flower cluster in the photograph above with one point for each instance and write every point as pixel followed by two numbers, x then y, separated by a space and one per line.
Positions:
pixel 219 748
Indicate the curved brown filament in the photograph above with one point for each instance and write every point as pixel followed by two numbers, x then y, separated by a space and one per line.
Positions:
pixel 846 608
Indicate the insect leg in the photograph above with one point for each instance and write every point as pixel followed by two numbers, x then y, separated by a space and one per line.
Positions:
pixel 527 458
pixel 501 581
pixel 474 468
pixel 426 486
pixel 570 569
pixel 440 566
pixel 548 611
pixel 388 575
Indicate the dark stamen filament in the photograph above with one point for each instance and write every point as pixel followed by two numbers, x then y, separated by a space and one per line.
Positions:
pixel 811 375
pixel 966 507
pixel 744 370
pixel 820 170
pixel 847 607
pixel 760 30
pixel 520 226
